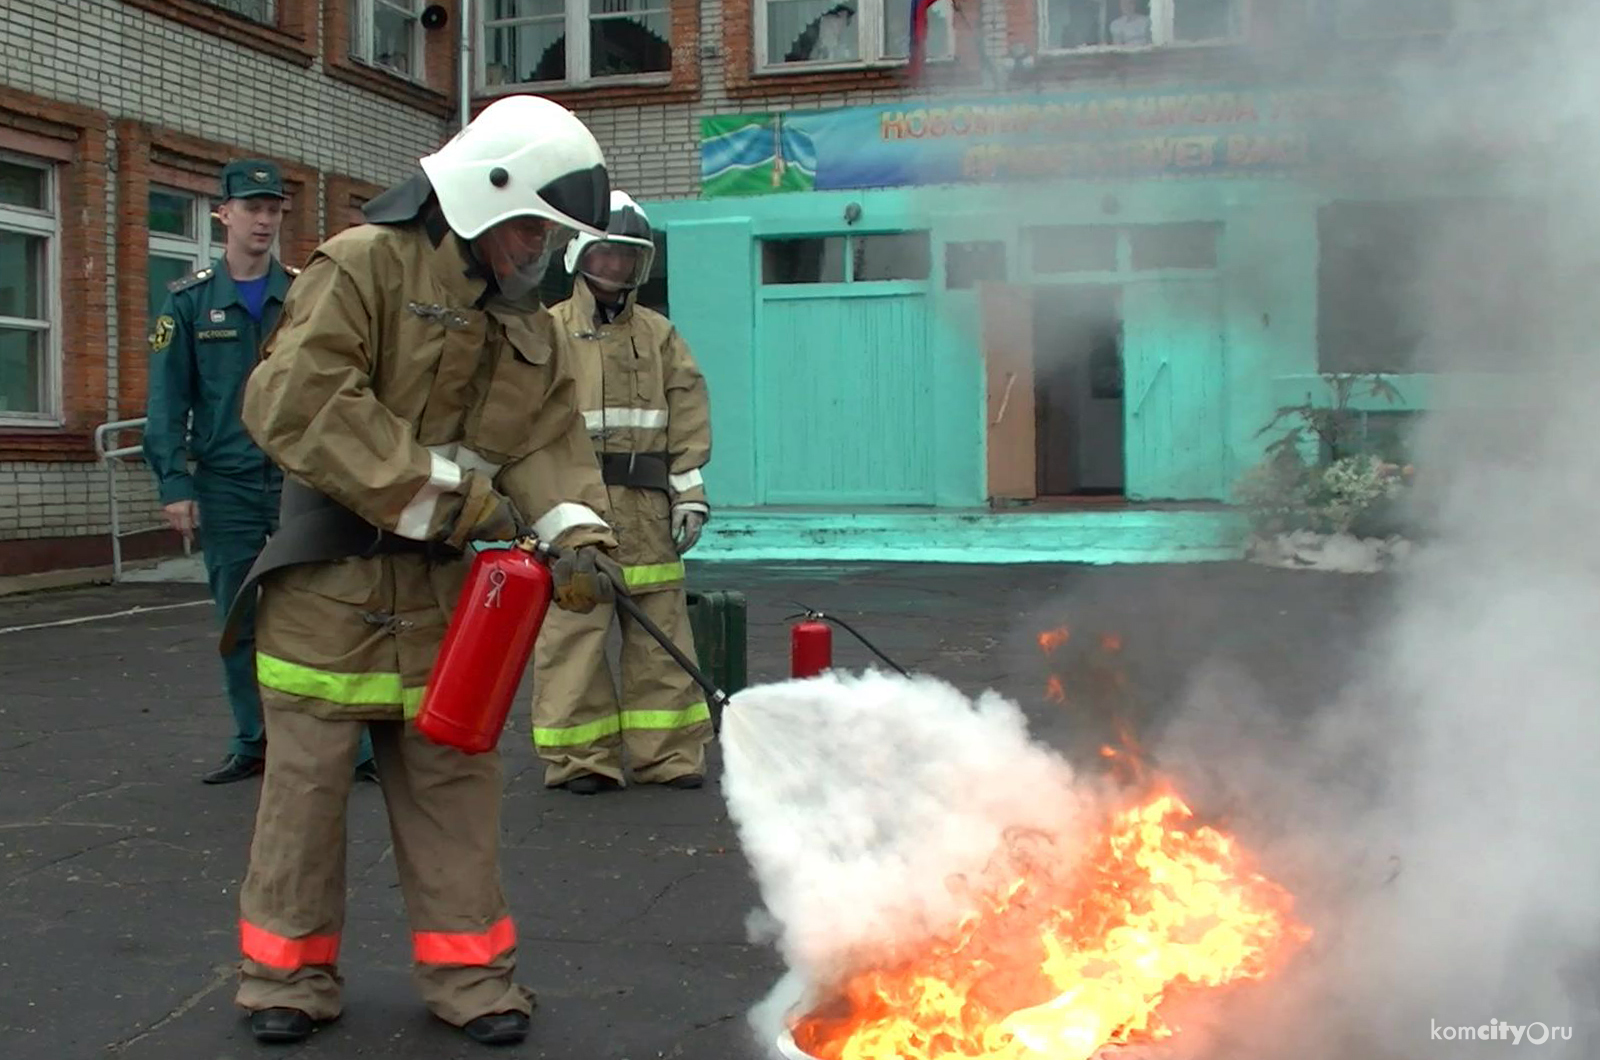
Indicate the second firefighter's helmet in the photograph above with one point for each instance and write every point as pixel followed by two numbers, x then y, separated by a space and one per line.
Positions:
pixel 621 259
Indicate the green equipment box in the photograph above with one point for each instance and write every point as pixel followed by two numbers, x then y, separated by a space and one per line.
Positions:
pixel 718 621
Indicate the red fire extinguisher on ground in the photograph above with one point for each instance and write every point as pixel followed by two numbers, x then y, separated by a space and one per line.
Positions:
pixel 486 648
pixel 810 646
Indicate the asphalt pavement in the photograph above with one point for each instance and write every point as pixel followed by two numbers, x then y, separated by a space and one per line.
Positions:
pixel 119 870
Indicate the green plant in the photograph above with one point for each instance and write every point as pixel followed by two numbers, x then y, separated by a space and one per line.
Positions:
pixel 1345 487
pixel 1335 427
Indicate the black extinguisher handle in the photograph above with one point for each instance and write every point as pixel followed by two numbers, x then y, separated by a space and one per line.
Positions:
pixel 716 697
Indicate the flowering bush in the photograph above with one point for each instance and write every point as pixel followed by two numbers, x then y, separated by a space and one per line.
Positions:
pixel 1354 494
pixel 1349 490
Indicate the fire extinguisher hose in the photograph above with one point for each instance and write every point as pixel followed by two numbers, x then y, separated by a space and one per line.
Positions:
pixel 819 616
pixel 716 697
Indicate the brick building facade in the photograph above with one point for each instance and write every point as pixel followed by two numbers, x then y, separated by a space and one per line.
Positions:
pixel 116 114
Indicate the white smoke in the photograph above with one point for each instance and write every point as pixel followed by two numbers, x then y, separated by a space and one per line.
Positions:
pixel 1438 818
pixel 862 801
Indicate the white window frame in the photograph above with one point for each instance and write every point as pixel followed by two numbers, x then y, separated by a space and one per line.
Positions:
pixel 46 224
pixel 869 24
pixel 576 29
pixel 200 249
pixel 1163 16
pixel 364 34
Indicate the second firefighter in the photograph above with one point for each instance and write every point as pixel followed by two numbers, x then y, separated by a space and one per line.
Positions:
pixel 647 410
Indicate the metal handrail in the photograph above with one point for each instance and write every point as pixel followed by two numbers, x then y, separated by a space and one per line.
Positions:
pixel 110 458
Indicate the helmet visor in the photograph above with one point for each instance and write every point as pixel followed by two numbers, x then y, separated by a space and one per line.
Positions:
pixel 617 263
pixel 519 251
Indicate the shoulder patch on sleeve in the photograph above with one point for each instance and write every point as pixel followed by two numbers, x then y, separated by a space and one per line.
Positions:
pixel 194 279
pixel 161 336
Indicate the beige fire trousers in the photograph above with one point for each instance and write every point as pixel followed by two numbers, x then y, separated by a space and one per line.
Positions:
pixel 663 722
pixel 444 818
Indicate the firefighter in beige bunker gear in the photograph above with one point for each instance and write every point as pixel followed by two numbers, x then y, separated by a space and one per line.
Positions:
pixel 646 406
pixel 417 401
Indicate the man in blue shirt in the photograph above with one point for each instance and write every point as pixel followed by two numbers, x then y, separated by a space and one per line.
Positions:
pixel 204 344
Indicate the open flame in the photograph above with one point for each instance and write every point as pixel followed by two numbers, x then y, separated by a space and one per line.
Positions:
pixel 1051 639
pixel 1071 951
pixel 1071 955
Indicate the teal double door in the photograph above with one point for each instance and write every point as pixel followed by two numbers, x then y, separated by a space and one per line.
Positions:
pixel 845 382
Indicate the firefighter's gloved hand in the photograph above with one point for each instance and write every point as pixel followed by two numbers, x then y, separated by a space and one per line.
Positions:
pixel 687 521
pixel 484 515
pixel 586 577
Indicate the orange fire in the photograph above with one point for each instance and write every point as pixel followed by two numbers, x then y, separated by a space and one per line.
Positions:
pixel 1072 953
pixel 1069 956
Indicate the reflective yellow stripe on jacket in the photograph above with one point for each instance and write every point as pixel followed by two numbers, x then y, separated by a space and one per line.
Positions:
pixel 577 735
pixel 356 690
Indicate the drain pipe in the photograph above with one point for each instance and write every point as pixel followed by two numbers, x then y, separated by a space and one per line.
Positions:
pixel 464 60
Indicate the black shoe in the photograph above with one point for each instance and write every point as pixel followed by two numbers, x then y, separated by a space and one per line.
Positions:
pixel 280 1025
pixel 687 782
pixel 367 771
pixel 498 1028
pixel 235 767
pixel 591 784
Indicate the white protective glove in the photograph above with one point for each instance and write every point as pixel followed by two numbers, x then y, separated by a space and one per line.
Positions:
pixel 686 524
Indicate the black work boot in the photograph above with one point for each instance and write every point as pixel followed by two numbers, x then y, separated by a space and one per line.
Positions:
pixel 280 1025
pixel 591 784
pixel 235 767
pixel 498 1028
pixel 687 782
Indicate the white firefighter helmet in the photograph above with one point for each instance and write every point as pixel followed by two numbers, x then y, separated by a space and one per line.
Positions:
pixel 523 156
pixel 621 258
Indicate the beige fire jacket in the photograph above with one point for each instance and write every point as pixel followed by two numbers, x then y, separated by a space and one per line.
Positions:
pixel 389 389
pixel 641 392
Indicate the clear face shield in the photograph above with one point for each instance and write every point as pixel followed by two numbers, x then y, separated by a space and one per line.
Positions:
pixel 519 252
pixel 617 263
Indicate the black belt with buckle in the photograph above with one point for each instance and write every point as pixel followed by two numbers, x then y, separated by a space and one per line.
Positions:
pixel 644 471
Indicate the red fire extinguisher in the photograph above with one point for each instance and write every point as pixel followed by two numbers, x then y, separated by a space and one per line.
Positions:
pixel 810 647
pixel 486 649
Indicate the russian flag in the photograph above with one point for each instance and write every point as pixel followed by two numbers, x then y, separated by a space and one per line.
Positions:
pixel 919 34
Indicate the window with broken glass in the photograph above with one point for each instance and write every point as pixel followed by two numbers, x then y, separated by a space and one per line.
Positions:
pixel 806 33
pixel 529 42
pixel 387 34
pixel 1077 25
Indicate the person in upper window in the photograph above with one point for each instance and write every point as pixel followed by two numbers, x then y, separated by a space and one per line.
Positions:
pixel 1130 29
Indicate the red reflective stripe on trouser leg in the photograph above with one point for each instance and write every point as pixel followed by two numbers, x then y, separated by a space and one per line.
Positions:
pixel 279 951
pixel 464 947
